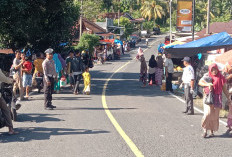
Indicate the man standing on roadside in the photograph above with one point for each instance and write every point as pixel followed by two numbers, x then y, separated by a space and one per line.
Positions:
pixel 169 71
pixel 188 82
pixel 17 65
pixel 77 68
pixel 68 70
pixel 49 76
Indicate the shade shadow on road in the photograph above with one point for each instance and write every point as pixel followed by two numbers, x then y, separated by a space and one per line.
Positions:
pixel 90 108
pixel 123 84
pixel 63 98
pixel 41 133
pixel 37 118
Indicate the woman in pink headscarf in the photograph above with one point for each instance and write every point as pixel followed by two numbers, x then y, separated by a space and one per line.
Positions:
pixel 213 81
pixel 140 53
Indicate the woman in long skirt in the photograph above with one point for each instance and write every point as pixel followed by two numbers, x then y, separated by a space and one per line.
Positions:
pixel 143 71
pixel 159 70
pixel 215 82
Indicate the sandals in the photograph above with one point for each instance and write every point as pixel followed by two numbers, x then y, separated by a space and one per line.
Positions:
pixel 204 135
pixel 13 133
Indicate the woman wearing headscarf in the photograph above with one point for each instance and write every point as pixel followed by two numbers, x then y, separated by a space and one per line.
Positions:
pixel 140 53
pixel 59 68
pixel 143 71
pixel 152 68
pixel 214 82
pixel 159 70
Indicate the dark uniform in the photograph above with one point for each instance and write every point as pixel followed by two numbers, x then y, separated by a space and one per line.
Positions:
pixel 49 76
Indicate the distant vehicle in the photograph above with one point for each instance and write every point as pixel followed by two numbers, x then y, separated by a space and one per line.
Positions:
pixel 132 43
pixel 156 31
pixel 136 38
pixel 145 34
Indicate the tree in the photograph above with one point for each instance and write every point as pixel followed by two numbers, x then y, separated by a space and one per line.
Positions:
pixel 37 23
pixel 128 26
pixel 151 10
pixel 128 5
pixel 201 12
pixel 91 9
pixel 88 41
pixel 107 4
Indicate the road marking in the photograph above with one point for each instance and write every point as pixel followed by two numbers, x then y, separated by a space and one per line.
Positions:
pixel 197 109
pixel 126 138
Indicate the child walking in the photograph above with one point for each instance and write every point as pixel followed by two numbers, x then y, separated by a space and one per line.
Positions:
pixel 27 76
pixel 87 81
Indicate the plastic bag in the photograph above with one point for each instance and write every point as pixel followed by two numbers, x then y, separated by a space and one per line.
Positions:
pixel 87 91
pixel 209 99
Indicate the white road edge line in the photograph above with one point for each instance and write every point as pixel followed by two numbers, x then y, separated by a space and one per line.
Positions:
pixel 197 109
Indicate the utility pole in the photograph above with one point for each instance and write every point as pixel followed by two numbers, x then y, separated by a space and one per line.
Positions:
pixel 193 20
pixel 119 14
pixel 81 19
pixel 208 17
pixel 118 17
pixel 170 4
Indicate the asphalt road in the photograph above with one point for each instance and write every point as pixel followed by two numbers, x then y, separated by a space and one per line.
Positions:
pixel 80 127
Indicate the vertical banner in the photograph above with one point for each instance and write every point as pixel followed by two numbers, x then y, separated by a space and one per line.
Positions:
pixel 184 15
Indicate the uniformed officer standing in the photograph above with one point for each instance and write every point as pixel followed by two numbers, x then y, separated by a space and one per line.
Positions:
pixel 49 76
pixel 188 82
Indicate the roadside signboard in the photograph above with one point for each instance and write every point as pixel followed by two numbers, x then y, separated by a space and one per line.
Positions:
pixel 184 16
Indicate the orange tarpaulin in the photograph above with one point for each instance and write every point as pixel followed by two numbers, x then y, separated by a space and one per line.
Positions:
pixel 107 40
pixel 6 51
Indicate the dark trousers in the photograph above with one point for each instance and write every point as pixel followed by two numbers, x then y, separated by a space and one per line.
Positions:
pixel 169 82
pixel 6 113
pixel 77 79
pixel 48 91
pixel 151 77
pixel 71 79
pixel 188 96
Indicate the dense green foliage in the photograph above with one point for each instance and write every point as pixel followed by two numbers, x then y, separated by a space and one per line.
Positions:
pixel 128 26
pixel 36 23
pixel 88 41
pixel 44 23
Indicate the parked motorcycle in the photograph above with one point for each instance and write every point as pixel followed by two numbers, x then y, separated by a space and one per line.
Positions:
pixel 156 31
pixel 39 81
pixel 12 102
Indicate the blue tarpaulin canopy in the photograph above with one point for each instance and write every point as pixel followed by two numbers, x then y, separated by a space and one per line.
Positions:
pixel 213 42
pixel 116 41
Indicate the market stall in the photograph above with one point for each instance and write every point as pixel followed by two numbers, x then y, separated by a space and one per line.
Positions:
pixel 199 50
pixel 203 45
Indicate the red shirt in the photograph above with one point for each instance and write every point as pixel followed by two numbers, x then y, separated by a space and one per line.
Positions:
pixel 27 66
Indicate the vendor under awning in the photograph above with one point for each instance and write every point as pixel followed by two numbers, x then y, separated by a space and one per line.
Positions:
pixel 213 42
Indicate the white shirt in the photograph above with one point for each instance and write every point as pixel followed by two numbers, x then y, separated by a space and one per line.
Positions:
pixel 188 74
pixel 169 64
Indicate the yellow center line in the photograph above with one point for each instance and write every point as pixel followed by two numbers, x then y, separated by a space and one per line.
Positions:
pixel 126 138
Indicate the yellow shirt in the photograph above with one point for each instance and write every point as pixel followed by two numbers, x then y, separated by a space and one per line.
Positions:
pixel 87 78
pixel 38 65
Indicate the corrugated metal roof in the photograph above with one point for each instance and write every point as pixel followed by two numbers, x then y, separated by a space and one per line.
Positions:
pixel 217 27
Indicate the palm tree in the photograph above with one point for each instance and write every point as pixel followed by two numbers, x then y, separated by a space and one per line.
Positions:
pixel 151 10
pixel 201 12
pixel 140 1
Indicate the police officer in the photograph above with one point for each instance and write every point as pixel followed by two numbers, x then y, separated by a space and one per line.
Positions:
pixel 49 76
pixel 188 82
